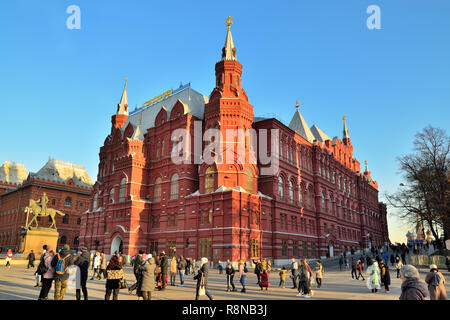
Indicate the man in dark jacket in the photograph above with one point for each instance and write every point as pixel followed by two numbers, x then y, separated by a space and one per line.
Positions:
pixel 164 264
pixel 258 270
pixel 31 259
pixel 137 263
pixel 229 270
pixel 61 278
pixel 412 287
pixel 181 266
pixel 82 262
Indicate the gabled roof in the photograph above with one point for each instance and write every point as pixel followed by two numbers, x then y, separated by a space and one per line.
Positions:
pixel 319 134
pixel 194 101
pixel 299 124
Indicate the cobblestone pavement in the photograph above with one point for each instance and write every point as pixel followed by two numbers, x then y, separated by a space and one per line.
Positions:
pixel 17 283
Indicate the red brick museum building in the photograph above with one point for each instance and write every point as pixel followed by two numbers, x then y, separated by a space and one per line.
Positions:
pixel 317 203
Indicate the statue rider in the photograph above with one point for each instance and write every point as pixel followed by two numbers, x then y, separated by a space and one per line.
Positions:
pixel 43 200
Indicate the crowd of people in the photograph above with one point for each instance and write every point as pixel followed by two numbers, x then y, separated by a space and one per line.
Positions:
pixel 151 273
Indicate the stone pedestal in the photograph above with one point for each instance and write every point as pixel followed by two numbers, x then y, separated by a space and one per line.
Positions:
pixel 35 239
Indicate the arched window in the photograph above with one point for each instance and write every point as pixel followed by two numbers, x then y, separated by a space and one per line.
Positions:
pixel 300 195
pixel 94 204
pixel 249 182
pixel 157 190
pixel 111 196
pixel 280 187
pixel 162 149
pixel 174 187
pixel 122 190
pixel 323 202
pixel 308 197
pixel 65 219
pixel 157 150
pixel 291 192
pixel 209 180
pixel 68 202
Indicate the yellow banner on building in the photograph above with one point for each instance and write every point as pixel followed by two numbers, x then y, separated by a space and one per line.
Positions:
pixel 157 98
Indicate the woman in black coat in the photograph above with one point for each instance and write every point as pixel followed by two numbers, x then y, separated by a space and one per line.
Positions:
pixel 385 276
pixel 83 263
pixel 392 258
pixel 202 275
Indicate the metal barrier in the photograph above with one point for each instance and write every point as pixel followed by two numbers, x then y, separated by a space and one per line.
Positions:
pixel 425 261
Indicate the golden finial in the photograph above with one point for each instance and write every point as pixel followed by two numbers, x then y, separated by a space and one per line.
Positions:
pixel 140 118
pixel 229 21
pixel 125 84
pixel 344 117
pixel 296 104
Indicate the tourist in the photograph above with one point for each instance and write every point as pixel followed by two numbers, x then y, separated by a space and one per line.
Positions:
pixel 341 262
pixel 282 275
pixel 264 283
pixel 47 276
pixel 9 256
pixel 385 276
pixel 114 274
pixel 258 270
pixel 368 261
pixel 412 287
pixel 188 266
pixel 202 279
pixel 319 273
pixel 269 265
pixel 137 263
pixel 181 266
pixel 294 273
pixel 373 281
pixel 242 274
pixel 60 263
pixel 193 265
pixel 392 259
pixel 354 264
pixel 229 271
pixel 398 265
pixel 164 264
pixel 147 283
pixel 385 258
pixel 359 267
pixel 82 262
pixel 436 281
pixel 173 270
pixel 263 265
pixel 96 265
pixel 31 259
pixel 220 267
pixel 102 266
pixel 304 282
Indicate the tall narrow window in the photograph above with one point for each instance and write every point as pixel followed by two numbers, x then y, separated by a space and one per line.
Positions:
pixel 174 187
pixel 157 190
pixel 249 181
pixel 300 195
pixel 209 180
pixel 111 196
pixel 122 190
pixel 280 187
pixel 291 192
pixel 323 202
pixel 283 247
pixel 68 202
pixel 308 196
pixel 94 204
pixel 162 149
pixel 157 150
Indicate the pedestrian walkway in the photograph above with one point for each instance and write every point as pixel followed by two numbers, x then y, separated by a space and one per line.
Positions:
pixel 17 283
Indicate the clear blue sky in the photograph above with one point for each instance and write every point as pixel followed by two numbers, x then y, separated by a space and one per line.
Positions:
pixel 59 87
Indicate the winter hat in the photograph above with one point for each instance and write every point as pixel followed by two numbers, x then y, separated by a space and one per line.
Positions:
pixel 83 249
pixel 66 247
pixel 433 266
pixel 410 272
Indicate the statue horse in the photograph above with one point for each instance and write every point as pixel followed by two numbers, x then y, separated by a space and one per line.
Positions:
pixel 34 208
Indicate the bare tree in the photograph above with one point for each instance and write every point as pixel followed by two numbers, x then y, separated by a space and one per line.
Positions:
pixel 426 194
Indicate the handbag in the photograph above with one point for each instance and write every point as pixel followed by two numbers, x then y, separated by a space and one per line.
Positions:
pixel 202 289
pixel 123 284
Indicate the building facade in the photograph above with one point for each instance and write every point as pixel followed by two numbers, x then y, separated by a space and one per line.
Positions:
pixel 316 202
pixel 68 188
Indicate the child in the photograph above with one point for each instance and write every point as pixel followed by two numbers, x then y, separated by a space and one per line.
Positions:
pixel 264 283
pixel 283 272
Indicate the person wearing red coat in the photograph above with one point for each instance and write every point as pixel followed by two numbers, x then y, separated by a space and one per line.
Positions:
pixel 264 282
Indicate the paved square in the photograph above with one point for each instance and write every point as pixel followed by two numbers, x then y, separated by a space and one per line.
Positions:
pixel 17 283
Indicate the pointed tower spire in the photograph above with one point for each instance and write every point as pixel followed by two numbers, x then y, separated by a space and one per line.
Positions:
pixel 122 107
pixel 365 162
pixel 229 51
pixel 121 116
pixel 346 135
pixel 299 124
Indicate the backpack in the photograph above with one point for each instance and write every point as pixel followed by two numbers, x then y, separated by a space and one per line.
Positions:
pixel 436 280
pixel 61 265
pixel 41 268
